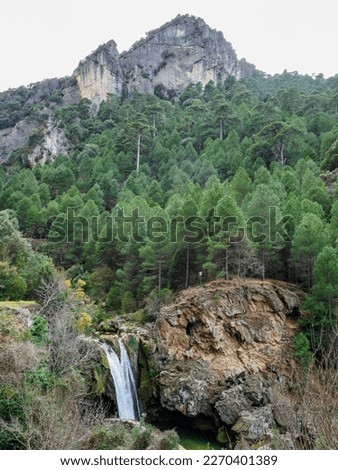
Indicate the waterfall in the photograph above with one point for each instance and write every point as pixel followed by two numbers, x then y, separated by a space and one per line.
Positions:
pixel 125 387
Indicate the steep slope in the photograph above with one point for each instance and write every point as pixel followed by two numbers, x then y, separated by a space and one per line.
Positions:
pixel 28 121
pixel 221 350
pixel 100 74
pixel 183 51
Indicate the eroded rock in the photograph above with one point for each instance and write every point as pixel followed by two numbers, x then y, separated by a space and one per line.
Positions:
pixel 221 347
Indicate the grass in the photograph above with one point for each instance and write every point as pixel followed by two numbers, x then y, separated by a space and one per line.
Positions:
pixel 16 303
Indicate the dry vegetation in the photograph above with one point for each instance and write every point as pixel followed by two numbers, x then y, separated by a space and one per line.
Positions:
pixel 308 410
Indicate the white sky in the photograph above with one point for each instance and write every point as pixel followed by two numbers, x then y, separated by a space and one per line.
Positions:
pixel 43 39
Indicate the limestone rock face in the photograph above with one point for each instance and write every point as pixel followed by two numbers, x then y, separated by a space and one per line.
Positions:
pixel 54 142
pixel 221 348
pixel 99 74
pixel 46 97
pixel 183 51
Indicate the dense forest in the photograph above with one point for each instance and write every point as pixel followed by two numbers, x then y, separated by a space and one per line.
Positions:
pixel 161 193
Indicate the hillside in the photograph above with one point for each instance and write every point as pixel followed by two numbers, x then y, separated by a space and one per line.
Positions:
pixel 184 51
pixel 177 198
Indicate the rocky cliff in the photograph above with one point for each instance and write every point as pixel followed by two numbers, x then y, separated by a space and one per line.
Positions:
pixel 29 125
pixel 183 51
pixel 100 74
pixel 220 352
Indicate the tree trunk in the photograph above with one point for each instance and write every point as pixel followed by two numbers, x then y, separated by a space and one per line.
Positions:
pixel 263 271
pixel 154 126
pixel 138 153
pixel 159 275
pixel 226 265
pixel 282 158
pixel 187 267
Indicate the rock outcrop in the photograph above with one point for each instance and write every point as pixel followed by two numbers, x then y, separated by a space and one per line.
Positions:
pixel 183 51
pixel 33 130
pixel 100 74
pixel 221 349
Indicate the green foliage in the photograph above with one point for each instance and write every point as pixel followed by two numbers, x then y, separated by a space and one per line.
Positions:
pixel 38 332
pixel 228 150
pixel 10 402
pixel 11 407
pixel 169 441
pixel 138 317
pixel 321 304
pixel 40 378
pixel 104 438
pixel 128 303
pixel 301 347
pixel 160 294
pixel 118 436
pixel 12 285
pixel 9 328
pixel 100 376
pixel 141 435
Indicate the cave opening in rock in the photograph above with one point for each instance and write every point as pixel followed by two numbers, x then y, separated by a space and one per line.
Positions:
pixel 199 432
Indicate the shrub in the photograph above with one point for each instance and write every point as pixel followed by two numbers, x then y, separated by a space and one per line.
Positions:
pixel 104 438
pixel 40 377
pixel 9 328
pixel 84 323
pixel 11 407
pixel 128 302
pixel 35 137
pixel 169 441
pixel 38 267
pixel 100 281
pixel 12 285
pixel 141 436
pixel 39 331
pixel 301 347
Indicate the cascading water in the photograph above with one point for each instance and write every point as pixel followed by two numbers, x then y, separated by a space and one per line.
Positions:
pixel 125 388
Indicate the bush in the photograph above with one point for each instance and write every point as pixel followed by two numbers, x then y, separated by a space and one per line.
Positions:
pixel 301 347
pixel 128 303
pixel 84 323
pixel 40 377
pixel 104 438
pixel 141 436
pixel 38 267
pixel 39 331
pixel 169 441
pixel 100 282
pixel 11 407
pixel 9 328
pixel 35 137
pixel 12 285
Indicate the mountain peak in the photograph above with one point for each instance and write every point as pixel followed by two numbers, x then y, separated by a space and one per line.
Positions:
pixel 182 51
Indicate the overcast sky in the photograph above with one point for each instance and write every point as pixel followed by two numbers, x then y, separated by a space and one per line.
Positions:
pixel 43 39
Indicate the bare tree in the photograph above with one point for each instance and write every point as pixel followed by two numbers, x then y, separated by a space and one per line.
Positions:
pixel 51 295
pixel 309 409
pixel 67 350
pixel 242 260
pixel 61 414
pixel 59 418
